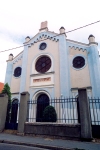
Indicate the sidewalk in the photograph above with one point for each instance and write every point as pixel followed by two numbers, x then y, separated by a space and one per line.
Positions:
pixel 53 144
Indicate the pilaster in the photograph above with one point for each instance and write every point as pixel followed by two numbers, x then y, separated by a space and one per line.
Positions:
pixel 94 68
pixel 9 71
pixel 64 69
pixel 24 69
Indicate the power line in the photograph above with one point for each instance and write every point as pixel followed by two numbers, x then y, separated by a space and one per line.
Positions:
pixel 13 48
pixel 53 36
pixel 83 26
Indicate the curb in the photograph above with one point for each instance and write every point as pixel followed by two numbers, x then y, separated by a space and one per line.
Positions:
pixel 36 145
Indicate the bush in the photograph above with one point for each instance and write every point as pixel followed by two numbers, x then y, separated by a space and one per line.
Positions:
pixel 49 114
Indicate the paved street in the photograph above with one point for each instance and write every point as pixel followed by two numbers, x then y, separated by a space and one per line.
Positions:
pixel 9 138
pixel 4 146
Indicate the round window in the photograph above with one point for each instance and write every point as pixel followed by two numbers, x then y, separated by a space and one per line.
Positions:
pixel 43 64
pixel 43 46
pixel 78 62
pixel 17 71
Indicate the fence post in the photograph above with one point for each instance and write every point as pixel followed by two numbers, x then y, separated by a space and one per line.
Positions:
pixel 24 97
pixel 3 110
pixel 86 132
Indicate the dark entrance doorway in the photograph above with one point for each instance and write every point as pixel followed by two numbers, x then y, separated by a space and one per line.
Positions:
pixel 42 102
pixel 78 110
pixel 14 111
pixel 11 122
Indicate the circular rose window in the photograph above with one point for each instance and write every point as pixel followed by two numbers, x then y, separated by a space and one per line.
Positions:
pixel 78 62
pixel 43 46
pixel 43 64
pixel 17 71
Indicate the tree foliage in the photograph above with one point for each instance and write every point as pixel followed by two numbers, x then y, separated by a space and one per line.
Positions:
pixel 49 114
pixel 6 90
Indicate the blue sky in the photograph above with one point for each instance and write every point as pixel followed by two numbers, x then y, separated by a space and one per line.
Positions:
pixel 21 18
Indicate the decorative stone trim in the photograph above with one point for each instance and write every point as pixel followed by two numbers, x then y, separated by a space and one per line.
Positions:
pixel 18 58
pixel 44 35
pixel 80 49
pixel 42 74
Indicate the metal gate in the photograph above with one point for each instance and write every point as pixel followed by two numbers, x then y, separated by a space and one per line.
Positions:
pixel 12 115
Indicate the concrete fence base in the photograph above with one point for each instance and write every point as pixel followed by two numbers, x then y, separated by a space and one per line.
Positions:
pixel 53 129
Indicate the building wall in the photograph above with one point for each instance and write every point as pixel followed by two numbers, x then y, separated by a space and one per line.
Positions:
pixel 80 78
pixel 34 53
pixel 62 77
pixel 1 86
pixel 15 81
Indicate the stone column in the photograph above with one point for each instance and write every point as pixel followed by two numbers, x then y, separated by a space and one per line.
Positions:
pixel 3 110
pixel 86 132
pixel 24 97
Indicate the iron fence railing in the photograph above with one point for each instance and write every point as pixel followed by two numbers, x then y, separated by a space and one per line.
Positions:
pixel 95 110
pixel 67 110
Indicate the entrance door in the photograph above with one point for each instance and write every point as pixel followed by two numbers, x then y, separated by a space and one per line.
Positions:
pixel 78 110
pixel 11 122
pixel 42 102
pixel 14 111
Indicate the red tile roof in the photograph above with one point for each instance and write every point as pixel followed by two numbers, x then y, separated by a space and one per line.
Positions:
pixel 1 86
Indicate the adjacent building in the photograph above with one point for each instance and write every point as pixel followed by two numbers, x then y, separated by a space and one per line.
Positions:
pixel 1 86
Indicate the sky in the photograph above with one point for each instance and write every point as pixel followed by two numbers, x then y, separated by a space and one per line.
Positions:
pixel 21 18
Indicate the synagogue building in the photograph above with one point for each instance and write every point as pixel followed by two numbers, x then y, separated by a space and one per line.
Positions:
pixel 51 65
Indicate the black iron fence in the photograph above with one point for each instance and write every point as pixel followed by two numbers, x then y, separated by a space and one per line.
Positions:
pixel 67 110
pixel 95 110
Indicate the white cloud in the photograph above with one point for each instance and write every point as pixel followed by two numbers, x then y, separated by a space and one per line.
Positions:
pixel 19 18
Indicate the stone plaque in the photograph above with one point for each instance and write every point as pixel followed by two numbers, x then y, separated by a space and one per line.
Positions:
pixel 42 80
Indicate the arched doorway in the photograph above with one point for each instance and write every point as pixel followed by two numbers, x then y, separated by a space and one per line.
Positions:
pixel 14 110
pixel 42 102
pixel 78 109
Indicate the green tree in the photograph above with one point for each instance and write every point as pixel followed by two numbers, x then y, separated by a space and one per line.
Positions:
pixel 6 90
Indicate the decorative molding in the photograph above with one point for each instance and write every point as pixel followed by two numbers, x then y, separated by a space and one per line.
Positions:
pixel 44 36
pixel 72 89
pixel 93 43
pixel 41 74
pixel 89 87
pixel 19 57
pixel 42 86
pixel 76 88
pixel 76 47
